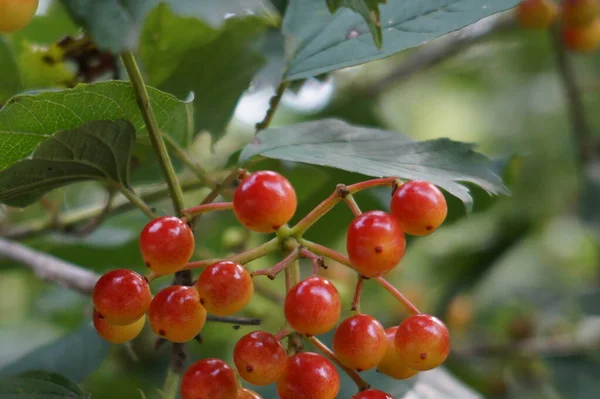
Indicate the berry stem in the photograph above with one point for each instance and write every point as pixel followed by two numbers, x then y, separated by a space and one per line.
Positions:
pixel 171 385
pixel 241 258
pixel 351 202
pixel 317 261
pixel 242 321
pixel 357 291
pixel 284 332
pixel 184 157
pixel 363 185
pixel 398 295
pixel 358 380
pixel 272 272
pixel 324 251
pixel 194 211
pixel 273 105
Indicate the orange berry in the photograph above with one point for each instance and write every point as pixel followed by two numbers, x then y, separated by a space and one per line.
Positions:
pixel 225 288
pixel 359 342
pixel 422 342
pixel 16 14
pixel 579 12
pixel 209 379
pixel 536 14
pixel 167 244
pixel 582 39
pixel 308 375
pixel 247 394
pixel 419 206
pixel 118 334
pixel 391 364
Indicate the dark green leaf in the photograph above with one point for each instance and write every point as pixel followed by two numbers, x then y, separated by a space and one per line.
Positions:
pixel 75 356
pixel 97 150
pixel 10 81
pixel 39 385
pixel 319 42
pixel 368 9
pixel 378 153
pixel 27 120
pixel 184 55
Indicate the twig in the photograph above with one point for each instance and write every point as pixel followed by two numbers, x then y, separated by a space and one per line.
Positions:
pixel 138 202
pixel 273 105
pixel 398 295
pixel 272 272
pixel 184 157
pixel 95 222
pixel 197 210
pixel 317 261
pixel 351 202
pixel 357 291
pixel 242 321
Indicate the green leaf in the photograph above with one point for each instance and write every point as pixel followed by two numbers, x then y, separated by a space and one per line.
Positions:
pixel 97 150
pixel 10 81
pixel 378 153
pixel 75 356
pixel 368 9
pixel 318 42
pixel 39 385
pixel 27 120
pixel 185 54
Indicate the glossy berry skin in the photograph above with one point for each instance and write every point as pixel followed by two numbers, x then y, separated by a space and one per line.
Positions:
pixel 121 296
pixel 391 364
pixel 264 201
pixel 209 379
pixel 536 14
pixel 247 394
pixel 359 342
pixel 375 243
pixel 16 14
pixel 583 39
pixel 309 376
pixel 118 334
pixel 372 394
pixel 259 358
pixel 579 12
pixel 419 206
pixel 176 313
pixel 167 244
pixel 422 342
pixel 225 288
pixel 313 306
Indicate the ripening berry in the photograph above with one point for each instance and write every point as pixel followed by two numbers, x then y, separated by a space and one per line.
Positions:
pixel 167 244
pixel 247 394
pixel 313 306
pixel 536 14
pixel 225 288
pixel 460 313
pixel 176 313
pixel 209 379
pixel 375 243
pixel 359 342
pixel 419 206
pixel 582 39
pixel 422 342
pixel 309 376
pixel 391 365
pixel 579 12
pixel 121 296
pixel 372 394
pixel 264 201
pixel 16 14
pixel 118 334
pixel 259 357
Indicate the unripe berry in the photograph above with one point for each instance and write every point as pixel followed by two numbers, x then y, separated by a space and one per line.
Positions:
pixel 582 38
pixel 264 201
pixel 579 12
pixel 309 376
pixel 372 394
pixel 422 342
pixel 167 244
pixel 419 206
pixel 118 334
pixel 536 14
pixel 225 288
pixel 359 342
pixel 209 379
pixel 375 243
pixel 391 364
pixel 313 306
pixel 247 394
pixel 121 297
pixel 176 313
pixel 16 14
pixel 260 358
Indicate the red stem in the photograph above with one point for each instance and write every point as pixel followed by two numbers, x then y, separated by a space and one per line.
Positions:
pixel 351 202
pixel 357 291
pixel 203 208
pixel 241 258
pixel 398 295
pixel 363 185
pixel 272 272
pixel 325 251
pixel 317 261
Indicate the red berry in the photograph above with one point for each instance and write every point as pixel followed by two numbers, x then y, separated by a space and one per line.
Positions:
pixel 359 342
pixel 536 14
pixel 176 313
pixel 375 243
pixel 391 364
pixel 313 306
pixel 259 357
pixel 420 207
pixel 209 379
pixel 121 296
pixel 422 342
pixel 264 201
pixel 308 376
pixel 167 244
pixel 118 334
pixel 579 12
pixel 372 394
pixel 582 39
pixel 225 288
pixel 247 394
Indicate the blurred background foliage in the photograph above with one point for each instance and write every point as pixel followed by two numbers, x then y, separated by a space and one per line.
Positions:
pixel 517 281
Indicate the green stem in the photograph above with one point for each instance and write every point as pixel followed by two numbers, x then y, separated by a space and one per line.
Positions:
pixel 138 202
pixel 184 157
pixel 171 385
pixel 241 258
pixel 143 100
pixel 325 251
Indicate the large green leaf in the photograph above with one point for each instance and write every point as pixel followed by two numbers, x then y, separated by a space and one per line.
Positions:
pixel 27 120
pixel 10 81
pixel 97 150
pixel 183 55
pixel 74 356
pixel 319 42
pixel 377 153
pixel 368 9
pixel 39 385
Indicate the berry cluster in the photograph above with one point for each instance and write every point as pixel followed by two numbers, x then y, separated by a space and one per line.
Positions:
pixel 265 202
pixel 579 20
